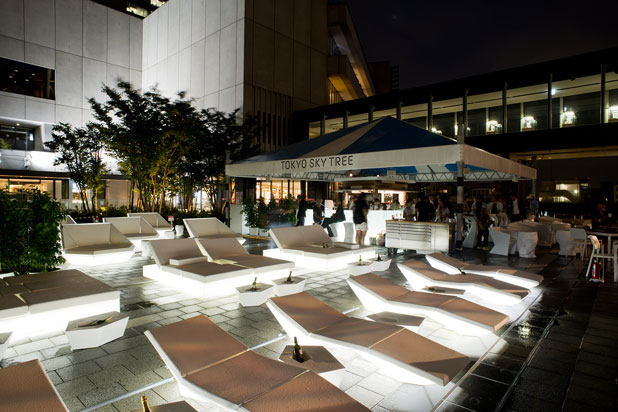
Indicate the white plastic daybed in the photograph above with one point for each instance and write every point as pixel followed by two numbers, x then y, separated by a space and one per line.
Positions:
pixel 95 244
pixel 135 228
pixel 162 226
pixel 210 228
pixel 310 246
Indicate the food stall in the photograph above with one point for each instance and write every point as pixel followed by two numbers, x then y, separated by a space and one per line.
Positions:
pixel 387 150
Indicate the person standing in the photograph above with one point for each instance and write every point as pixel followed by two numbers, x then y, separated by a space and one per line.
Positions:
pixel 361 209
pixel 533 206
pixel 424 210
pixel 409 212
pixel 443 212
pixel 318 212
pixel 302 211
pixel 514 209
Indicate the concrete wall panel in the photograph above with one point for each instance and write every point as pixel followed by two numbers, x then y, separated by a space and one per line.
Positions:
pixel 184 70
pixel 70 115
pixel 149 52
pixel 173 29
pixel 302 62
pixel 136 44
pixel 263 56
pixel 12 18
pixel 319 26
pixel 114 72
pixel 95 31
pixel 211 101
pixel 162 24
pixel 172 74
pixel 213 16
pixel 240 51
pixel 69 26
pixel 94 75
pixel 161 77
pixel 227 54
pixel 302 25
pixel 135 77
pixel 227 99
pixel 39 18
pixel 284 17
pixel 118 34
pixel 264 13
pixel 184 34
pixel 68 79
pixel 40 56
pixel 284 64
pixel 211 65
pixel 318 78
pixel 11 48
pixel 197 69
pixel 12 106
pixel 198 20
pixel 228 13
pixel 40 110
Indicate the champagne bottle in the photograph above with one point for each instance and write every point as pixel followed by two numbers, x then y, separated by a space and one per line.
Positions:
pixel 98 322
pixel 145 407
pixel 289 279
pixel 379 259
pixel 254 284
pixel 297 355
pixel 360 260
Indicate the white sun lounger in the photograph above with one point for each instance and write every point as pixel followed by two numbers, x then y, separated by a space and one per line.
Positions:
pixel 25 387
pixel 305 245
pixel 421 275
pixel 162 226
pixel 454 266
pixel 95 244
pixel 468 318
pixel 407 355
pixel 210 228
pixel 134 228
pixel 212 366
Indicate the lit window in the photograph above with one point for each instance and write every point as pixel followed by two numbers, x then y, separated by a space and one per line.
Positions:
pixel 493 127
pixel 568 117
pixel 528 123
pixel 613 113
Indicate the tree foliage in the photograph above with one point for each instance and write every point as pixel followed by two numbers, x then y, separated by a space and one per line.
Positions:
pixel 81 150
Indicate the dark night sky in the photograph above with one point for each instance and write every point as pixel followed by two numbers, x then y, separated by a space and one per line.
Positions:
pixel 434 41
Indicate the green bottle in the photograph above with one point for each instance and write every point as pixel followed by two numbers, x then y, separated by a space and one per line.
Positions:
pixel 289 279
pixel 254 284
pixel 297 355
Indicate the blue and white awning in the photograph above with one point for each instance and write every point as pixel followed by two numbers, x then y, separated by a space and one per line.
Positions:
pixel 388 149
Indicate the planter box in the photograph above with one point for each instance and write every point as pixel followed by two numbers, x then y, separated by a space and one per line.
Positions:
pixel 380 266
pixel 355 269
pixel 81 336
pixel 248 297
pixel 318 360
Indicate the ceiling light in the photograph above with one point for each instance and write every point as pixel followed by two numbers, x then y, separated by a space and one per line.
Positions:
pixel 16 124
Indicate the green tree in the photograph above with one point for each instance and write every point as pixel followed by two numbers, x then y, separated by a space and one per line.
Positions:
pixel 80 149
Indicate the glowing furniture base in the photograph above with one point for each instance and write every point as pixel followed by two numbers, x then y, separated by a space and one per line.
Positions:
pixel 25 387
pixel 380 265
pixel 81 336
pixel 398 351
pixel 5 338
pixel 211 366
pixel 317 359
pixel 95 244
pixel 249 297
pixel 467 318
pixel 283 289
pixel 454 266
pixel 210 228
pixel 358 269
pixel 421 276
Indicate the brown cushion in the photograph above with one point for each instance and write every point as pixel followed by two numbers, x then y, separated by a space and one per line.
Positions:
pixel 305 393
pixel 76 281
pixel 385 288
pixel 447 259
pixel 11 302
pixel 222 247
pixel 324 251
pixel 12 290
pixel 360 332
pixel 422 353
pixel 55 294
pixel 26 388
pixel 478 313
pixel 308 311
pixel 25 279
pixel 196 343
pixel 243 377
pixel 522 274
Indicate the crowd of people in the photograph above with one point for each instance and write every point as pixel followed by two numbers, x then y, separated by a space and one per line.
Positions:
pixel 423 208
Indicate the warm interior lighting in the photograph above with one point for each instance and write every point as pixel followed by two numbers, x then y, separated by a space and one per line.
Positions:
pixel 613 112
pixel 528 123
pixel 493 126
pixel 568 117
pixel 433 129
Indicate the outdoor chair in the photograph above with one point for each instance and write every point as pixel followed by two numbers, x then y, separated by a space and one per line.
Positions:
pixel 579 237
pixel 468 318
pixel 210 228
pixel 503 241
pixel 421 276
pixel 135 228
pixel 410 357
pixel 565 241
pixel 599 253
pixel 454 266
pixel 95 244
pixel 162 226
pixel 212 366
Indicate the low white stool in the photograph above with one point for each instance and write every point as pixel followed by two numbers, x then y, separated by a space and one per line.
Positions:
pixel 81 336
pixel 355 269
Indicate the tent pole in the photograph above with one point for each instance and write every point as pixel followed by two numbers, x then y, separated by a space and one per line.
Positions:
pixel 460 178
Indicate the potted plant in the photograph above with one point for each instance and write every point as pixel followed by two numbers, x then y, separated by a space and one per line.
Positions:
pixel 262 217
pixel 250 213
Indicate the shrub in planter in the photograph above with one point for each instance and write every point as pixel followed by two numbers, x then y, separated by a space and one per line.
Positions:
pixel 30 228
pixel 250 213
pixel 262 215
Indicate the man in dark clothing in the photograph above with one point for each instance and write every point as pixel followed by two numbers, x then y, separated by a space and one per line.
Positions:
pixel 425 210
pixel 338 216
pixel 302 211
pixel 318 212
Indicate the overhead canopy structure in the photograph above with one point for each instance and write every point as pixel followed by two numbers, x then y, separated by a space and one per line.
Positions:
pixel 385 149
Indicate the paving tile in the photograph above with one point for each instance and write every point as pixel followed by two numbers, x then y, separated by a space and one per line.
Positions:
pixel 76 371
pixel 110 375
pixel 56 363
pixel 99 395
pixel 33 346
pixel 364 396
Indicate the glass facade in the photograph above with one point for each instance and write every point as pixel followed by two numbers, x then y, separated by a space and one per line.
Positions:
pixel 17 138
pixel 27 79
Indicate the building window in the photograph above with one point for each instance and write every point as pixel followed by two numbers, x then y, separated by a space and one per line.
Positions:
pixel 17 138
pixel 581 109
pixel 27 79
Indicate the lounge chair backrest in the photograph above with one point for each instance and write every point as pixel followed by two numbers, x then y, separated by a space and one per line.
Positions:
pixel 383 287
pixel 153 218
pixel 208 226
pixel 132 225
pixel 196 343
pixel 451 261
pixel 301 236
pixel 26 387
pixel 308 311
pixel 89 234
pixel 221 248
pixel 165 249
pixel 423 268
pixel 68 220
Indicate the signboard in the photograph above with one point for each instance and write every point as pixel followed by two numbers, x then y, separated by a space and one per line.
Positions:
pixel 314 164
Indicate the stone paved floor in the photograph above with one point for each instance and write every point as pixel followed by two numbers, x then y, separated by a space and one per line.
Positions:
pixel 541 361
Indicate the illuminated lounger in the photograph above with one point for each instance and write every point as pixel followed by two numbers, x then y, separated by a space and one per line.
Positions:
pixel 468 318
pixel 454 266
pixel 404 354
pixel 45 302
pixel 210 228
pixel 228 250
pixel 134 228
pixel 212 366
pixel 305 246
pixel 181 264
pixel 421 275
pixel 95 244
pixel 25 387
pixel 68 220
pixel 162 226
